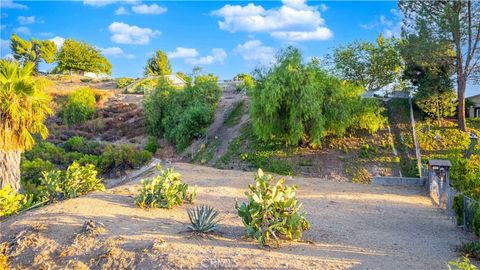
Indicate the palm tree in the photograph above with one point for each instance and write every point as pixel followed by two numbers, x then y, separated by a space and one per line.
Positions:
pixel 23 109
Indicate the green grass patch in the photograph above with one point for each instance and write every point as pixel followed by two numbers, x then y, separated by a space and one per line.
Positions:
pixel 248 150
pixel 399 118
pixel 233 118
pixel 206 152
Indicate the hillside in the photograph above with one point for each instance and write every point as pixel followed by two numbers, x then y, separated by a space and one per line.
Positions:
pixel 231 144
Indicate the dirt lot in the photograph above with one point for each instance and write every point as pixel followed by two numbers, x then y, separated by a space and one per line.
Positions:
pixel 353 227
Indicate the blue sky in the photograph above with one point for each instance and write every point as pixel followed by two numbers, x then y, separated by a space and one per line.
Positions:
pixel 222 37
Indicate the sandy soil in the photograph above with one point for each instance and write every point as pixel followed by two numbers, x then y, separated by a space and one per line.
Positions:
pixel 353 227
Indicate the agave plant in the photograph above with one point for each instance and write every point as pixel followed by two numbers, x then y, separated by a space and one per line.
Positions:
pixel 202 219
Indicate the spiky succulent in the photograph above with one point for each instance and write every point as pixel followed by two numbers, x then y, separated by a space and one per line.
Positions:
pixel 203 219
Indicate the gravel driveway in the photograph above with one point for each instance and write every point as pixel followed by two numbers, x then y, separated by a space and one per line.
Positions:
pixel 353 227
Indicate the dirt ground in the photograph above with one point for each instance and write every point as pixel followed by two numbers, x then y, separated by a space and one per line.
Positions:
pixel 353 227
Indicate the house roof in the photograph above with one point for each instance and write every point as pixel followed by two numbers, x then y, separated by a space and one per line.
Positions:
pixel 174 79
pixel 474 96
pixel 440 162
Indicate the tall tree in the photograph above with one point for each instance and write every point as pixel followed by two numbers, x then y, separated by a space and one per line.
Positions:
pixel 370 65
pixel 79 56
pixel 458 23
pixel 158 65
pixel 295 102
pixel 32 51
pixel 23 109
pixel 428 66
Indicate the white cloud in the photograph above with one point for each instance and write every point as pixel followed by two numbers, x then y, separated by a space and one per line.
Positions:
pixel 323 7
pixel 255 51
pixel 131 34
pixel 216 55
pixel 4 4
pixel 294 19
pixel 321 33
pixel 58 41
pixel 116 52
pixel 181 52
pixel 102 3
pixel 388 27
pixel 23 30
pixel 4 43
pixel 121 11
pixel 153 9
pixel 26 20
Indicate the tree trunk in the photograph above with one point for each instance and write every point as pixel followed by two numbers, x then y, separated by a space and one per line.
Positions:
pixel 461 104
pixel 10 169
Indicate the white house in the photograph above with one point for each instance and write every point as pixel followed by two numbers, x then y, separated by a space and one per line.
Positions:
pixel 175 80
pixel 473 111
pixel 96 76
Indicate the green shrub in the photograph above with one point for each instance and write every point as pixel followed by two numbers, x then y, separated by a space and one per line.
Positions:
pixel 476 220
pixel 83 159
pixel 458 208
pixel 89 159
pixel 86 80
pixel 124 82
pixel 461 264
pixel 367 151
pixel 465 175
pixel 71 157
pixel 202 219
pixel 438 138
pixel 80 106
pixel 79 144
pixel 279 166
pixel 470 249
pixel 50 188
pixel 192 124
pixel 272 211
pixel 75 181
pixel 122 157
pixel 31 173
pixel 144 86
pixel 32 170
pixel 10 201
pixel 152 144
pixel 163 191
pixel 272 156
pixel 181 115
pixel 367 114
pixel 473 123
pixel 46 151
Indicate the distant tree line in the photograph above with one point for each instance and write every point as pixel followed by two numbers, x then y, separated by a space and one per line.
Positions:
pixel 73 56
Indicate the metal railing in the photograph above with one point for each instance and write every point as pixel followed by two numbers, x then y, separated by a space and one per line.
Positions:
pixel 466 207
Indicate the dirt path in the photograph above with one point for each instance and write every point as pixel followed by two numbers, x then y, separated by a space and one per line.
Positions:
pixel 219 133
pixel 353 227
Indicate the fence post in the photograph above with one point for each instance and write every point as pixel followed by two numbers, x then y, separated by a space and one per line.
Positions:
pixel 415 141
pixel 464 213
